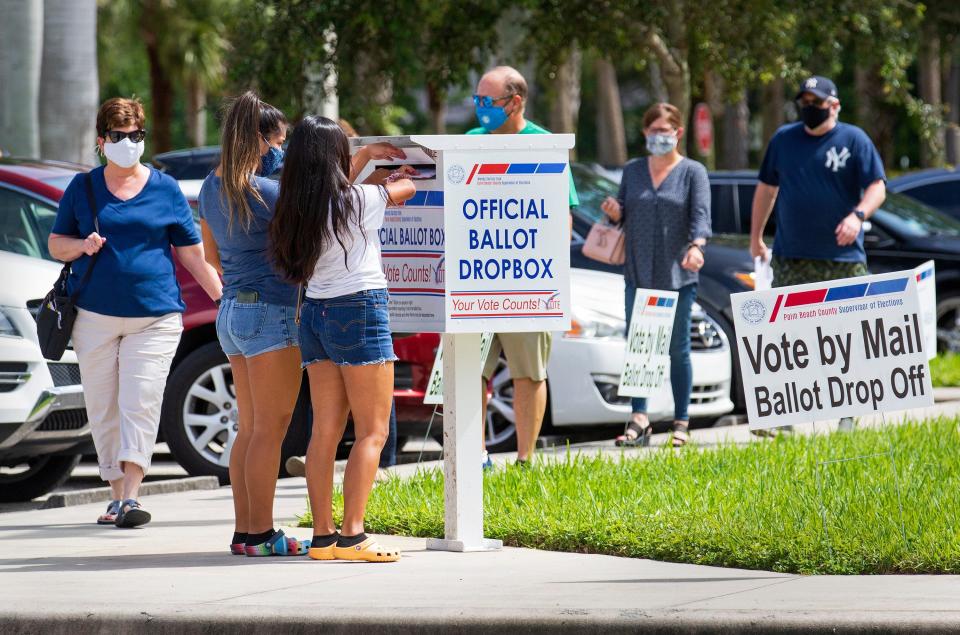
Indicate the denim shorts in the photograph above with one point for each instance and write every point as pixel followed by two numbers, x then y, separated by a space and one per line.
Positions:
pixel 255 328
pixel 349 330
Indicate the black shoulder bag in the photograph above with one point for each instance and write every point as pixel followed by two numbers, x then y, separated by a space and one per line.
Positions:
pixel 58 311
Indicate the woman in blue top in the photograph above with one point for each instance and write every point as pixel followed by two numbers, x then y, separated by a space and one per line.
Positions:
pixel 256 323
pixel 129 318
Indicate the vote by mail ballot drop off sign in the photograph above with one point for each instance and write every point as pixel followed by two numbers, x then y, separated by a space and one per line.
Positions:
pixel 507 240
pixel 835 349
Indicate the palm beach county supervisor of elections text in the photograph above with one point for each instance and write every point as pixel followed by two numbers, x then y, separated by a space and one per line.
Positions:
pixel 835 352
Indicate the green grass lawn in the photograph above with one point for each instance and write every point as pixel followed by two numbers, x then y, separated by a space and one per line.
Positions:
pixel 754 506
pixel 945 370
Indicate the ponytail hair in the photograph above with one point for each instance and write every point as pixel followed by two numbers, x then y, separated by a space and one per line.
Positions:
pixel 247 119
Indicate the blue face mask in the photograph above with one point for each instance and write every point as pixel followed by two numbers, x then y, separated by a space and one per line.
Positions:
pixel 271 161
pixel 491 117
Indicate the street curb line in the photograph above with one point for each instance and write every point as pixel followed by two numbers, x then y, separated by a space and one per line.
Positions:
pixel 102 494
pixel 469 622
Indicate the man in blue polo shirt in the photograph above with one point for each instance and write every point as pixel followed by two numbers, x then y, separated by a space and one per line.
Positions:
pixel 827 179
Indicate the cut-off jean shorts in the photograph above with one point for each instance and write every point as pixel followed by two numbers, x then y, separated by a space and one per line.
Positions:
pixel 254 328
pixel 349 330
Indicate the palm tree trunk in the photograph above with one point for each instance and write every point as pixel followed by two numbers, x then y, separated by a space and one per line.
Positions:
pixel 735 153
pixel 437 101
pixel 196 112
pixel 161 87
pixel 565 104
pixel 21 35
pixel 929 81
pixel 611 137
pixel 772 110
pixel 69 89
pixel 952 98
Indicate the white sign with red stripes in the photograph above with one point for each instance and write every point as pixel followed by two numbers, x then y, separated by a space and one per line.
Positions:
pixel 646 364
pixel 823 351
pixel 507 240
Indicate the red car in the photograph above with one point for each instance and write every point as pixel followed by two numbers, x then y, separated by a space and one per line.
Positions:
pixel 199 411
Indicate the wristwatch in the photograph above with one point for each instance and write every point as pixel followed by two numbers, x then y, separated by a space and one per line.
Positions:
pixel 859 214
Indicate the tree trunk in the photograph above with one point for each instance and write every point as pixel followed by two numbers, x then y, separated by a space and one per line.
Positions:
pixel 735 153
pixel 437 102
pixel 565 104
pixel 611 137
pixel 21 35
pixel 772 110
pixel 952 99
pixel 872 113
pixel 69 88
pixel 196 115
pixel 929 84
pixel 672 52
pixel 161 87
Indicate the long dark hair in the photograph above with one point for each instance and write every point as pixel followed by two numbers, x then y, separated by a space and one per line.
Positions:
pixel 245 121
pixel 316 198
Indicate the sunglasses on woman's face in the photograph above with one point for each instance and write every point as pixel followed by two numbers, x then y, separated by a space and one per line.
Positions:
pixel 116 136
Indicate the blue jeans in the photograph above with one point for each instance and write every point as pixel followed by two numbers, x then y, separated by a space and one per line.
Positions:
pixel 350 330
pixel 254 328
pixel 681 373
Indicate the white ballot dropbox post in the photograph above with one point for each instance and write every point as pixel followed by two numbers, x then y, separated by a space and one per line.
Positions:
pixel 484 246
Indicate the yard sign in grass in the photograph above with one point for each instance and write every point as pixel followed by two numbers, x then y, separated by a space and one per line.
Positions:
pixel 835 349
pixel 646 365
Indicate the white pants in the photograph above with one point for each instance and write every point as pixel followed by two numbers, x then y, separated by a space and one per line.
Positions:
pixel 124 364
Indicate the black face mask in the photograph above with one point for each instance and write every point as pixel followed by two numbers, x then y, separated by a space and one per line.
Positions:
pixel 812 116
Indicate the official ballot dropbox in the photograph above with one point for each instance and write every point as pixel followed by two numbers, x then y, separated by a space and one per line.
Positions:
pixel 483 246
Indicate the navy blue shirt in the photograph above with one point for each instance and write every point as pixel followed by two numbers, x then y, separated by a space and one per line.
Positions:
pixel 243 253
pixel 821 180
pixel 134 275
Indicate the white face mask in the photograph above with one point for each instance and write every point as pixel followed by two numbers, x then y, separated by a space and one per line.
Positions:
pixel 125 154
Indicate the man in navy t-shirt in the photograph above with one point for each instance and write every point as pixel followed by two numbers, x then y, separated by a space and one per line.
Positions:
pixel 827 179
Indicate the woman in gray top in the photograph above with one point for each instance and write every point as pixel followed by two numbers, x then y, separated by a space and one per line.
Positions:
pixel 664 205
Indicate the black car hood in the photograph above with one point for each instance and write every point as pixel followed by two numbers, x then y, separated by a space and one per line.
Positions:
pixel 939 247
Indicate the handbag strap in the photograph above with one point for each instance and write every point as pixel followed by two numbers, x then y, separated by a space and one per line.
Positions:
pixel 92 202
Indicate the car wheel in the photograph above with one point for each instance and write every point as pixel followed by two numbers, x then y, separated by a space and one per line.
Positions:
pixel 948 323
pixel 199 417
pixel 501 429
pixel 35 477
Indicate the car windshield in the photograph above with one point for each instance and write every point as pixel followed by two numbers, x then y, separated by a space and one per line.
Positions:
pixel 592 189
pixel 908 217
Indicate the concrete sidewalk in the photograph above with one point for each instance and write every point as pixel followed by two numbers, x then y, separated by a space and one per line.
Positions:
pixel 61 573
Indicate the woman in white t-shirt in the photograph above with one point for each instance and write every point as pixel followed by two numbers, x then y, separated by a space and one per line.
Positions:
pixel 325 236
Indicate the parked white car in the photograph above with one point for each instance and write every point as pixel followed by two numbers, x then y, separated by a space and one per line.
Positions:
pixel 583 374
pixel 43 422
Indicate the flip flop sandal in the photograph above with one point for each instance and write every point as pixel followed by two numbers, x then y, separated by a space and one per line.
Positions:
pixel 681 434
pixel 278 545
pixel 642 438
pixel 131 515
pixel 367 551
pixel 109 517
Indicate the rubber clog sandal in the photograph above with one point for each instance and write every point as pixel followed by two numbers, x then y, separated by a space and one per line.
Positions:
pixel 367 551
pixel 109 517
pixel 322 553
pixel 238 549
pixel 278 545
pixel 131 515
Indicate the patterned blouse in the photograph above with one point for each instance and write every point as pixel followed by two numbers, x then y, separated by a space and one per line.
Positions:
pixel 659 223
